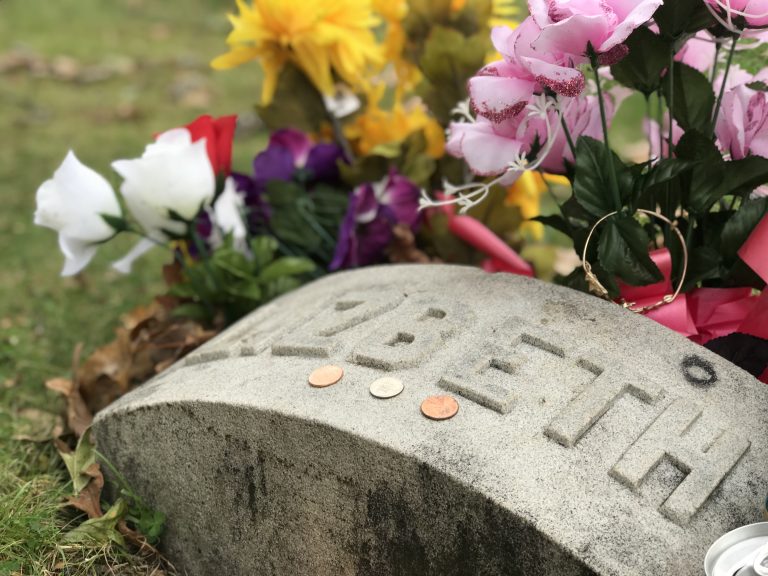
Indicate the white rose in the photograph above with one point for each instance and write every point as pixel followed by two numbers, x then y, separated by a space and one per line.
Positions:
pixel 227 216
pixel 72 203
pixel 173 175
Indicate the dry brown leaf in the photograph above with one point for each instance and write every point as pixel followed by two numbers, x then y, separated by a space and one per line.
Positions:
pixel 79 417
pixel 89 498
pixel 403 248
pixel 148 341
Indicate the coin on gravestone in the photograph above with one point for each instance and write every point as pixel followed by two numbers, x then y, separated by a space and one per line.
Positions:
pixel 439 407
pixel 325 376
pixel 386 387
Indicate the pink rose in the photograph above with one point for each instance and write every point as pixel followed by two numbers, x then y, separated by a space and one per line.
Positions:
pixel 571 26
pixel 486 148
pixel 698 52
pixel 754 12
pixel 742 126
pixel 502 89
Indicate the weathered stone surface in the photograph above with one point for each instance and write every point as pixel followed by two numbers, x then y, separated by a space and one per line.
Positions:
pixel 589 440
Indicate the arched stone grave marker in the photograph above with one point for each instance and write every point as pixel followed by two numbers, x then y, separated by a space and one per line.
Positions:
pixel 588 441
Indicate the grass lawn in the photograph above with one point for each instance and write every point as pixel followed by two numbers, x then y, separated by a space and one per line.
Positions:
pixel 104 77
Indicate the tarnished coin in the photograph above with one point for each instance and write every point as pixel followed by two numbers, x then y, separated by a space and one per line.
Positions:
pixel 386 387
pixel 325 376
pixel 439 407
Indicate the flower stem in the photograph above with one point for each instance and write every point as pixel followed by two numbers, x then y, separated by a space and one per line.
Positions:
pixel 671 103
pixel 612 168
pixel 568 137
pixel 731 52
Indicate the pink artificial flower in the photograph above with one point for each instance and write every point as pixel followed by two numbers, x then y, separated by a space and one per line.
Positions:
pixel 753 12
pixel 742 126
pixel 582 116
pixel 487 148
pixel 502 89
pixel 571 26
pixel 698 52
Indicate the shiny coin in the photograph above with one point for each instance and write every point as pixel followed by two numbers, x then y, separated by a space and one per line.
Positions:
pixel 386 387
pixel 439 407
pixel 325 376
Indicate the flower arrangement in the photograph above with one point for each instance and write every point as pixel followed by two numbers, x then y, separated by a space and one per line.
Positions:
pixel 547 104
pixel 359 96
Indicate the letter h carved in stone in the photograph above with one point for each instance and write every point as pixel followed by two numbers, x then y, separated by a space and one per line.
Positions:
pixel 670 436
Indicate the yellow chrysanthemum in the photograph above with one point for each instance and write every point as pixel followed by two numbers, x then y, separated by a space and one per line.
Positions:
pixel 376 126
pixel 321 37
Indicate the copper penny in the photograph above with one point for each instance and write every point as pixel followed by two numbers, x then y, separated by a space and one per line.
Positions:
pixel 325 376
pixel 439 407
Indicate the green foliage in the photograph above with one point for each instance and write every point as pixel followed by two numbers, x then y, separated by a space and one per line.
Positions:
pixel 642 68
pixel 682 17
pixel 623 251
pixel 229 282
pixel 592 186
pixel 448 61
pixel 693 99
pixel 296 103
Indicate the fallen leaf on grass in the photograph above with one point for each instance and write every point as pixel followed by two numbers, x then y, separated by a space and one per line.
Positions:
pixel 79 461
pixel 89 499
pixel 149 340
pixel 101 530
pixel 79 417
pixel 35 425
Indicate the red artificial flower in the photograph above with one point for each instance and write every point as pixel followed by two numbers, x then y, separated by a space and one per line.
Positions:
pixel 219 133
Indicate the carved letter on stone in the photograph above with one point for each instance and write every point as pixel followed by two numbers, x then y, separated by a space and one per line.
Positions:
pixel 595 400
pixel 706 463
pixel 420 327
pixel 488 377
pixel 316 338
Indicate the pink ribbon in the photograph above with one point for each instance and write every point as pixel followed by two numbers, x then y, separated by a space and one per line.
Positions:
pixel 501 258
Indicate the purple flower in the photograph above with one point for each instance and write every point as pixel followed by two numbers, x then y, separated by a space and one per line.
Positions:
pixel 290 155
pixel 373 210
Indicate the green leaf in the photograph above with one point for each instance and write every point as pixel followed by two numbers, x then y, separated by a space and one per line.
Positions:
pixel 693 98
pixel 287 266
pixel 703 264
pixel 102 530
pixel 707 173
pixel 449 60
pixel 679 17
pixel 296 104
pixel 247 290
pixel 263 251
pixel 740 226
pixel 79 461
pixel 192 310
pixel 118 223
pixel 623 251
pixel 592 185
pixel 666 170
pixel 642 68
pixel 554 221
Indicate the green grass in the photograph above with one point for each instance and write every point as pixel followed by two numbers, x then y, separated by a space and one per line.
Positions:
pixel 42 316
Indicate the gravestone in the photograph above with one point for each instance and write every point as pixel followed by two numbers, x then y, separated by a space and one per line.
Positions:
pixel 589 440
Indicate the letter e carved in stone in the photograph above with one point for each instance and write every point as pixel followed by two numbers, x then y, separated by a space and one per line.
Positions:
pixel 705 465
pixel 595 400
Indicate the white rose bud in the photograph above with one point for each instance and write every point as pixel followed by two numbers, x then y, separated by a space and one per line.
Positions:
pixel 72 203
pixel 173 176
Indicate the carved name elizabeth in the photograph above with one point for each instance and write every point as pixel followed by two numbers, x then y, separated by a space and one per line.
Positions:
pixel 410 329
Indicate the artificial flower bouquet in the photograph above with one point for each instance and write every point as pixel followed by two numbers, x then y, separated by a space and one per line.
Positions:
pixel 358 98
pixel 681 235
